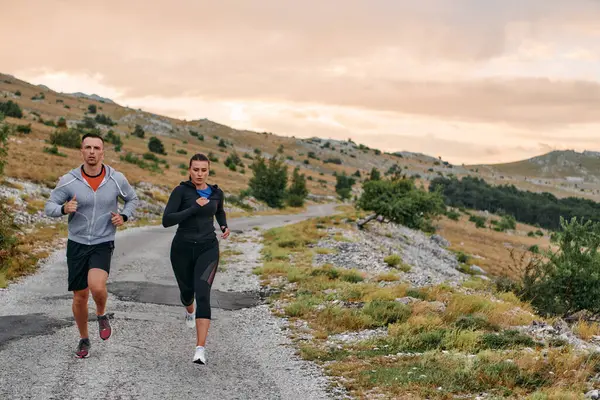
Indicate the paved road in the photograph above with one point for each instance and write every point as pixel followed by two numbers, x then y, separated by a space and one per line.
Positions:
pixel 149 355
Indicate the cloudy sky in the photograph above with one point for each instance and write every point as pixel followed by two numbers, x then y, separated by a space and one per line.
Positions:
pixel 469 80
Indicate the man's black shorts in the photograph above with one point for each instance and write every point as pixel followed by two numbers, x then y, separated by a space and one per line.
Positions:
pixel 82 257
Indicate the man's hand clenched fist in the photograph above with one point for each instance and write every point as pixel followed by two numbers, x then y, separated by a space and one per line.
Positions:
pixel 71 206
pixel 116 219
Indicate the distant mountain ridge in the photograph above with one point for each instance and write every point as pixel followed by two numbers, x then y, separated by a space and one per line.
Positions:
pixel 557 164
pixel 91 97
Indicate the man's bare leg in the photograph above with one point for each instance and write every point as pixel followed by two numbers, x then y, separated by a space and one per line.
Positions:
pixel 97 283
pixel 80 311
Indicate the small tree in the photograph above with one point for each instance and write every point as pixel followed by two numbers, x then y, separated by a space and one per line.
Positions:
pixel 269 181
pixel 566 280
pixel 104 120
pixel 343 186
pixel 155 145
pixel 62 123
pixel 138 131
pixel 87 123
pixel 92 109
pixel 375 175
pixel 115 139
pixel 298 191
pixel 400 201
pixel 233 161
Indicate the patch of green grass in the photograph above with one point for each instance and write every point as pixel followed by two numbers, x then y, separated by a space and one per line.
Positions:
pixel 276 253
pixel 302 306
pixel 385 312
pixel 352 276
pixel 506 339
pixel 392 260
pixel 438 376
pixel 474 322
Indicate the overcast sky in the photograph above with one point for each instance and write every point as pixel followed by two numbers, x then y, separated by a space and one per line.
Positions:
pixel 469 80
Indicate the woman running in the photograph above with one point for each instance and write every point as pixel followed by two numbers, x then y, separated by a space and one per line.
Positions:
pixel 195 247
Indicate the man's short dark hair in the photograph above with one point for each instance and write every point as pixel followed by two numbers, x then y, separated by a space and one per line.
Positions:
pixel 92 135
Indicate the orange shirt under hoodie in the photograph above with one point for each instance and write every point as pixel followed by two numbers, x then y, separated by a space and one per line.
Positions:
pixel 94 181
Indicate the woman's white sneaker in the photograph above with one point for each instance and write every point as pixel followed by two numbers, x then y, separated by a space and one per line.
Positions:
pixel 199 355
pixel 190 319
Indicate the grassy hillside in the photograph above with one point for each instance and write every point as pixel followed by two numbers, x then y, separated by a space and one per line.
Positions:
pixel 569 171
pixel 318 158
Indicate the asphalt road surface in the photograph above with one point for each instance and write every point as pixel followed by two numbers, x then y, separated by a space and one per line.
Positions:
pixel 149 355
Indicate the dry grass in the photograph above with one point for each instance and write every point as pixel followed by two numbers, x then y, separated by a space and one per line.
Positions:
pixel 487 248
pixel 479 324
pixel 586 330
pixel 31 247
pixel 387 277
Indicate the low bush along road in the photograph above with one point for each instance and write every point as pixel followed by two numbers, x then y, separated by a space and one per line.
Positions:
pixel 150 353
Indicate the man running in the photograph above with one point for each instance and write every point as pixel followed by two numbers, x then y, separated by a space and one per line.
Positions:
pixel 89 196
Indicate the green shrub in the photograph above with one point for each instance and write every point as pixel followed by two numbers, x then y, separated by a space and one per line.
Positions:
pixel 150 157
pixel 462 257
pixel 479 221
pixel 138 131
pixel 156 145
pixel 54 151
pixel 87 123
pixel 392 260
pixel 212 157
pixel 114 139
pixel 343 186
pixel 453 215
pixel 23 128
pixel 507 222
pixel 11 109
pixel 70 138
pixel 150 165
pixel 181 151
pixel 233 161
pixel 566 280
pixel 104 120
pixel 92 109
pixel 297 191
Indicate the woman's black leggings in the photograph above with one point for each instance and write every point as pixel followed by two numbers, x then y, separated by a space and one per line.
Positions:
pixel 195 265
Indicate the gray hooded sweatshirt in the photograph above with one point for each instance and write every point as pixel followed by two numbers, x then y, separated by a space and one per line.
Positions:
pixel 91 223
